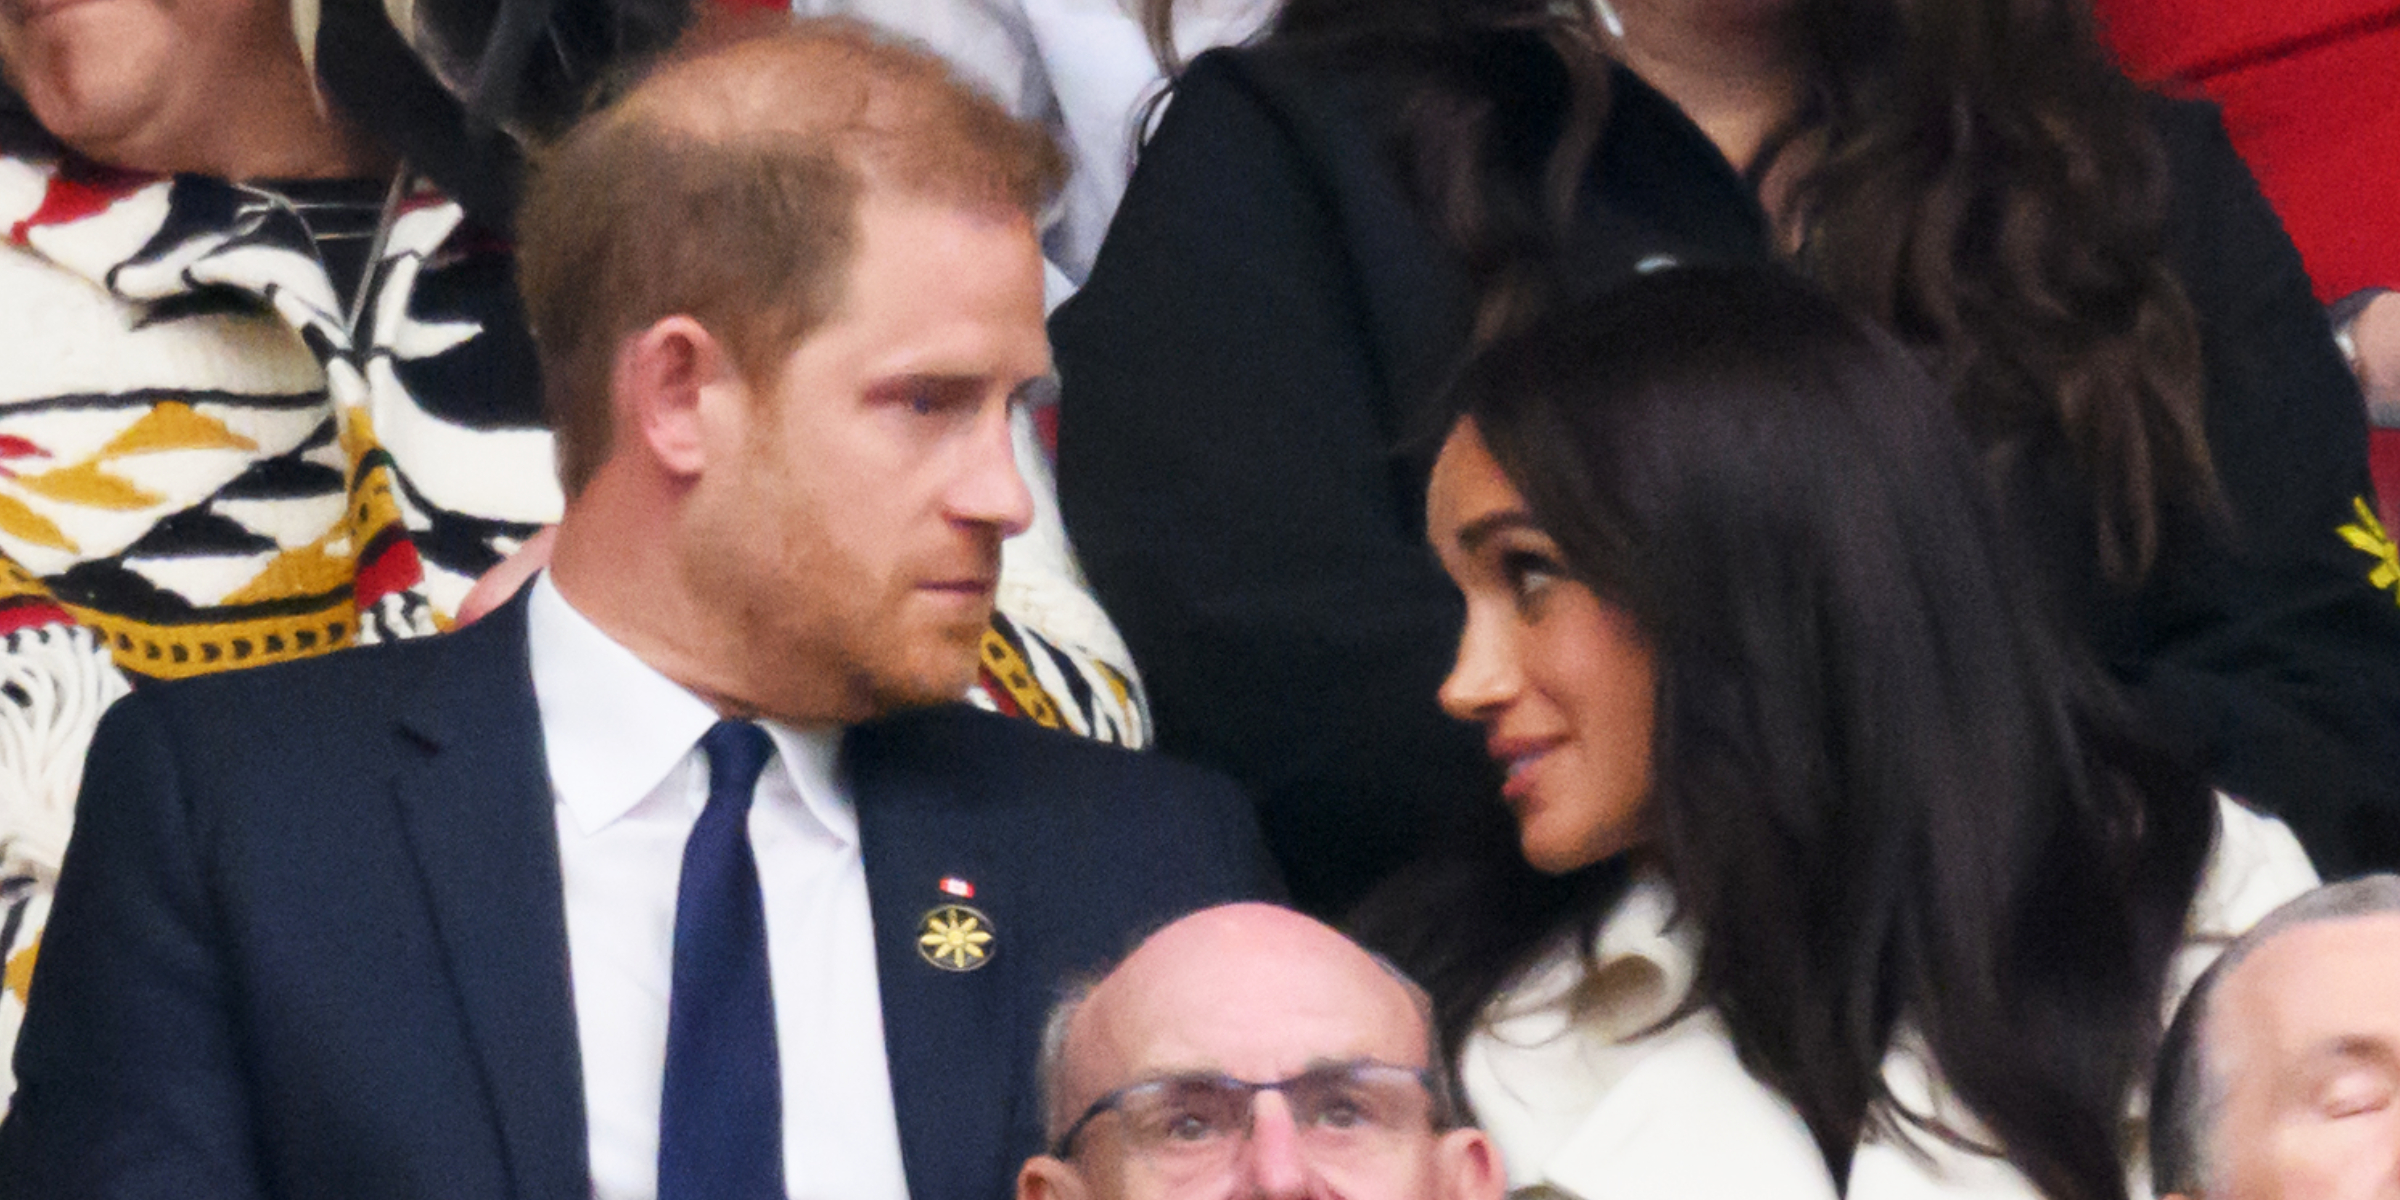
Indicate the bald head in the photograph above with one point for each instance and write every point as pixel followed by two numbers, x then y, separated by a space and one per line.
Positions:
pixel 724 186
pixel 2280 1077
pixel 1305 994
pixel 1261 994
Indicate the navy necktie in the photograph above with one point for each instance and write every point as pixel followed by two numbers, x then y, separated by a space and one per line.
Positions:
pixel 720 1121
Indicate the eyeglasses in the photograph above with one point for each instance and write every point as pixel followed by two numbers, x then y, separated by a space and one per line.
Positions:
pixel 1338 1109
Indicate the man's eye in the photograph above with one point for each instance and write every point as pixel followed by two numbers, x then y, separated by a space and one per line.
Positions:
pixel 1340 1112
pixel 2356 1094
pixel 1189 1125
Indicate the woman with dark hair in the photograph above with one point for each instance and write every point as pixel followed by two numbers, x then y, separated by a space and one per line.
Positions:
pixel 1836 862
pixel 1326 219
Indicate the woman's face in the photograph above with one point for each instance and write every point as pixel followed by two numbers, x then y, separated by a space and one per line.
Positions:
pixel 122 81
pixel 1561 682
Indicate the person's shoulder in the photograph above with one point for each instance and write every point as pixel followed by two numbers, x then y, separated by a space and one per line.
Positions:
pixel 343 690
pixel 971 740
pixel 2184 123
pixel 1116 823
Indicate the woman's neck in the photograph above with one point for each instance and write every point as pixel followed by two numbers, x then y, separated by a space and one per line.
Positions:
pixel 1731 65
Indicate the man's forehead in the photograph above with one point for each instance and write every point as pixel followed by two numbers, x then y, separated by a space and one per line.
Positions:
pixel 938 288
pixel 2313 985
pixel 1258 994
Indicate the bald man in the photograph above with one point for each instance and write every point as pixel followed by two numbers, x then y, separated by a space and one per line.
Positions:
pixel 2280 1079
pixel 1250 1051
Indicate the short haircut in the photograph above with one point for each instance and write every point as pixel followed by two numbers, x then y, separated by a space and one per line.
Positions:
pixel 724 185
pixel 2184 1097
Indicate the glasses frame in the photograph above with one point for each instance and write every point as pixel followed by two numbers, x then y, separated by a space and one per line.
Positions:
pixel 1437 1112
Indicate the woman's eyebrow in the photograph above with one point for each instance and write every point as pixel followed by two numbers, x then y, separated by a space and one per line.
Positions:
pixel 1473 534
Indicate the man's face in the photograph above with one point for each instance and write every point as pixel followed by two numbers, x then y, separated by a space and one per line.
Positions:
pixel 1258 994
pixel 852 513
pixel 2304 1036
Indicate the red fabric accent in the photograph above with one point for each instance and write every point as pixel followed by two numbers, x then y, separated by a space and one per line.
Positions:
pixel 2383 452
pixel 2311 93
pixel 390 565
pixel 27 612
pixel 2184 39
pixel 12 446
pixel 2321 130
pixel 998 692
pixel 78 192
pixel 1045 423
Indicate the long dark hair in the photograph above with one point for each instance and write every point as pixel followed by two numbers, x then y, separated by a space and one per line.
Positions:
pixel 1889 789
pixel 1974 174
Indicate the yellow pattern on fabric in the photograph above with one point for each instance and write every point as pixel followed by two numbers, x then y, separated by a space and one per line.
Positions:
pixel 1117 684
pixel 174 425
pixel 1015 674
pixel 89 485
pixel 2367 535
pixel 182 651
pixel 18 521
pixel 307 571
pixel 374 505
pixel 16 581
pixel 18 976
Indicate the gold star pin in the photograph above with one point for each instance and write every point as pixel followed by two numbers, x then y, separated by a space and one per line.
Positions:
pixel 955 937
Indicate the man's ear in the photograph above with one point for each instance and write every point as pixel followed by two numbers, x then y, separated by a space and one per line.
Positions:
pixel 1467 1166
pixel 1047 1178
pixel 661 375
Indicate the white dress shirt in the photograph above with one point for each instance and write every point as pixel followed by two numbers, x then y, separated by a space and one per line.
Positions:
pixel 1578 1101
pixel 629 779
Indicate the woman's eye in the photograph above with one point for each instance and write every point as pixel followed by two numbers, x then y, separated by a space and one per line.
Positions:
pixel 1528 574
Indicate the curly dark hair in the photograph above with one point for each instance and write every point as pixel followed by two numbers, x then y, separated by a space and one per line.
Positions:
pixel 1977 176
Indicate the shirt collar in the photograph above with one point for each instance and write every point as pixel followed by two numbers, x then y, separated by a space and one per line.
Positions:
pixel 1643 963
pixel 613 727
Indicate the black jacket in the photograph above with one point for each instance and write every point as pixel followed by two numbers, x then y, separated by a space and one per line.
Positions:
pixel 1242 461
pixel 310 938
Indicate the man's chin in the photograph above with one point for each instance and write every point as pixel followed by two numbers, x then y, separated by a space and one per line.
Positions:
pixel 938 674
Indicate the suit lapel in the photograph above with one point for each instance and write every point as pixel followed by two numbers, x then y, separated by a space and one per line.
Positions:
pixel 478 812
pixel 949 1035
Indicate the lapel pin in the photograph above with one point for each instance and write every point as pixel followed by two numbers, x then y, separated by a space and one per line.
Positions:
pixel 952 885
pixel 955 937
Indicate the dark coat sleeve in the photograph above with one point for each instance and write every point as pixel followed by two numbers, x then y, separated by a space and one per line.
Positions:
pixel 2272 642
pixel 130 1069
pixel 1230 471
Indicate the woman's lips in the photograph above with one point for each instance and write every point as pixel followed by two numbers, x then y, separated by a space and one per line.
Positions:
pixel 1519 757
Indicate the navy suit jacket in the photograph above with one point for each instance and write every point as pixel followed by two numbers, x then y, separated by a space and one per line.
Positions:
pixel 309 939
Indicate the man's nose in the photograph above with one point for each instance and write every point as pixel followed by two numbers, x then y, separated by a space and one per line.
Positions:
pixel 1275 1167
pixel 990 490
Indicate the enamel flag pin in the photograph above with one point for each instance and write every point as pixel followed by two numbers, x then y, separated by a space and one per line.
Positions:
pixel 955 937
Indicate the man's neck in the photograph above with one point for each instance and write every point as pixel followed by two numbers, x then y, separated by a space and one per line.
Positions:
pixel 638 596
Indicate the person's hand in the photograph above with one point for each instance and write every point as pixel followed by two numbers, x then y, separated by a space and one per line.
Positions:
pixel 2375 338
pixel 502 582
